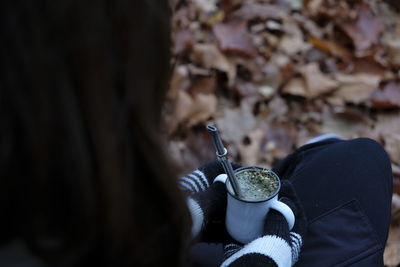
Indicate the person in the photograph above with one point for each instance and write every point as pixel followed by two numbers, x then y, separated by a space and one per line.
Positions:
pixel 85 176
pixel 345 190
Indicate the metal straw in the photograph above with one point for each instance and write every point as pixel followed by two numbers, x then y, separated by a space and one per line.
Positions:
pixel 222 153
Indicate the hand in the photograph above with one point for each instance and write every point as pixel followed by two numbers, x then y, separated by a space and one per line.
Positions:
pixel 202 178
pixel 207 200
pixel 278 246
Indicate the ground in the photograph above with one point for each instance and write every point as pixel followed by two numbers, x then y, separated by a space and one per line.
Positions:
pixel 272 74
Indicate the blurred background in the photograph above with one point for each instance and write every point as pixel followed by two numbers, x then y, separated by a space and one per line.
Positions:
pixel 273 74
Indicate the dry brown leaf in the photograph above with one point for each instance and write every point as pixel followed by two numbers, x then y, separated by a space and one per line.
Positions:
pixel 248 92
pixel 179 81
pixel 365 30
pixel 205 85
pixel 207 6
pixel 183 41
pixel 317 83
pixel 278 109
pixel 209 56
pixel 313 6
pixel 388 128
pixel 392 146
pixel 331 47
pixel 280 139
pixel 350 114
pixel 387 123
pixel 335 101
pixel 196 109
pixel 249 151
pixel 396 209
pixel 332 123
pixel 293 40
pixel 296 86
pixel 253 10
pixel 228 5
pixel 391 40
pixel 236 123
pixel 356 88
pixel 387 97
pixel 391 256
pixel 396 184
pixel 234 37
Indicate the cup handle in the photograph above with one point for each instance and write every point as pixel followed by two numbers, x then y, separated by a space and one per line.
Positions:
pixel 285 211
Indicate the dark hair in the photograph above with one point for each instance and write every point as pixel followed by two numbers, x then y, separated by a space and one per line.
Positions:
pixel 83 172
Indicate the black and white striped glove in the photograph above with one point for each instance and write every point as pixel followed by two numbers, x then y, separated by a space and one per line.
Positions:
pixel 206 200
pixel 202 178
pixel 279 246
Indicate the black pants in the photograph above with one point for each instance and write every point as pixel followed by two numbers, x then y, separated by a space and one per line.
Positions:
pixel 346 189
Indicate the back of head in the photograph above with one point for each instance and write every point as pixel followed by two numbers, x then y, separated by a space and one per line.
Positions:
pixel 83 174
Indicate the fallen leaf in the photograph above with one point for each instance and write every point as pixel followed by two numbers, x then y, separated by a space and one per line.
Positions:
pixel 247 89
pixel 215 18
pixel 234 37
pixel 391 40
pixel 279 139
pixel 293 40
pixel 277 109
pixel 205 85
pixel 313 6
pixel 248 92
pixel 396 182
pixel 296 86
pixel 208 56
pixel 332 123
pixel 191 152
pixel 350 114
pixel 335 101
pixel 179 81
pixel 317 83
pixel 207 6
pixel 331 47
pixel 396 208
pixel 249 150
pixel 387 123
pixel 236 123
pixel 228 5
pixel 387 97
pixel 391 256
pixel 388 128
pixel 356 88
pixel 183 41
pixel 272 78
pixel 263 11
pixel 392 146
pixel 295 4
pixel 368 65
pixel 310 27
pixel 195 109
pixel 365 30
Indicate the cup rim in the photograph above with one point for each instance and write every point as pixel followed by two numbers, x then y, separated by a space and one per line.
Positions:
pixel 255 167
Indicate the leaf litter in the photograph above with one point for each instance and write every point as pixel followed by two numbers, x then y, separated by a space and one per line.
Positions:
pixel 273 73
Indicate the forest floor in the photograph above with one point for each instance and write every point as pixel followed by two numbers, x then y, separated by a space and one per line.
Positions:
pixel 272 74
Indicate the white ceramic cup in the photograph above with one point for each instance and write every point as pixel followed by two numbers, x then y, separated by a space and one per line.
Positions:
pixel 245 218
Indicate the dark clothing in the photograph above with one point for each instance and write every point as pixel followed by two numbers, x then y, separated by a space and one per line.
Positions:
pixel 346 189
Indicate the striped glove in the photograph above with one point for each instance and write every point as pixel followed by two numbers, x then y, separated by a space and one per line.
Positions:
pixel 206 200
pixel 202 178
pixel 278 246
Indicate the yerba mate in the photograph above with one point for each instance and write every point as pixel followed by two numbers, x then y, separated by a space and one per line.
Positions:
pixel 256 184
